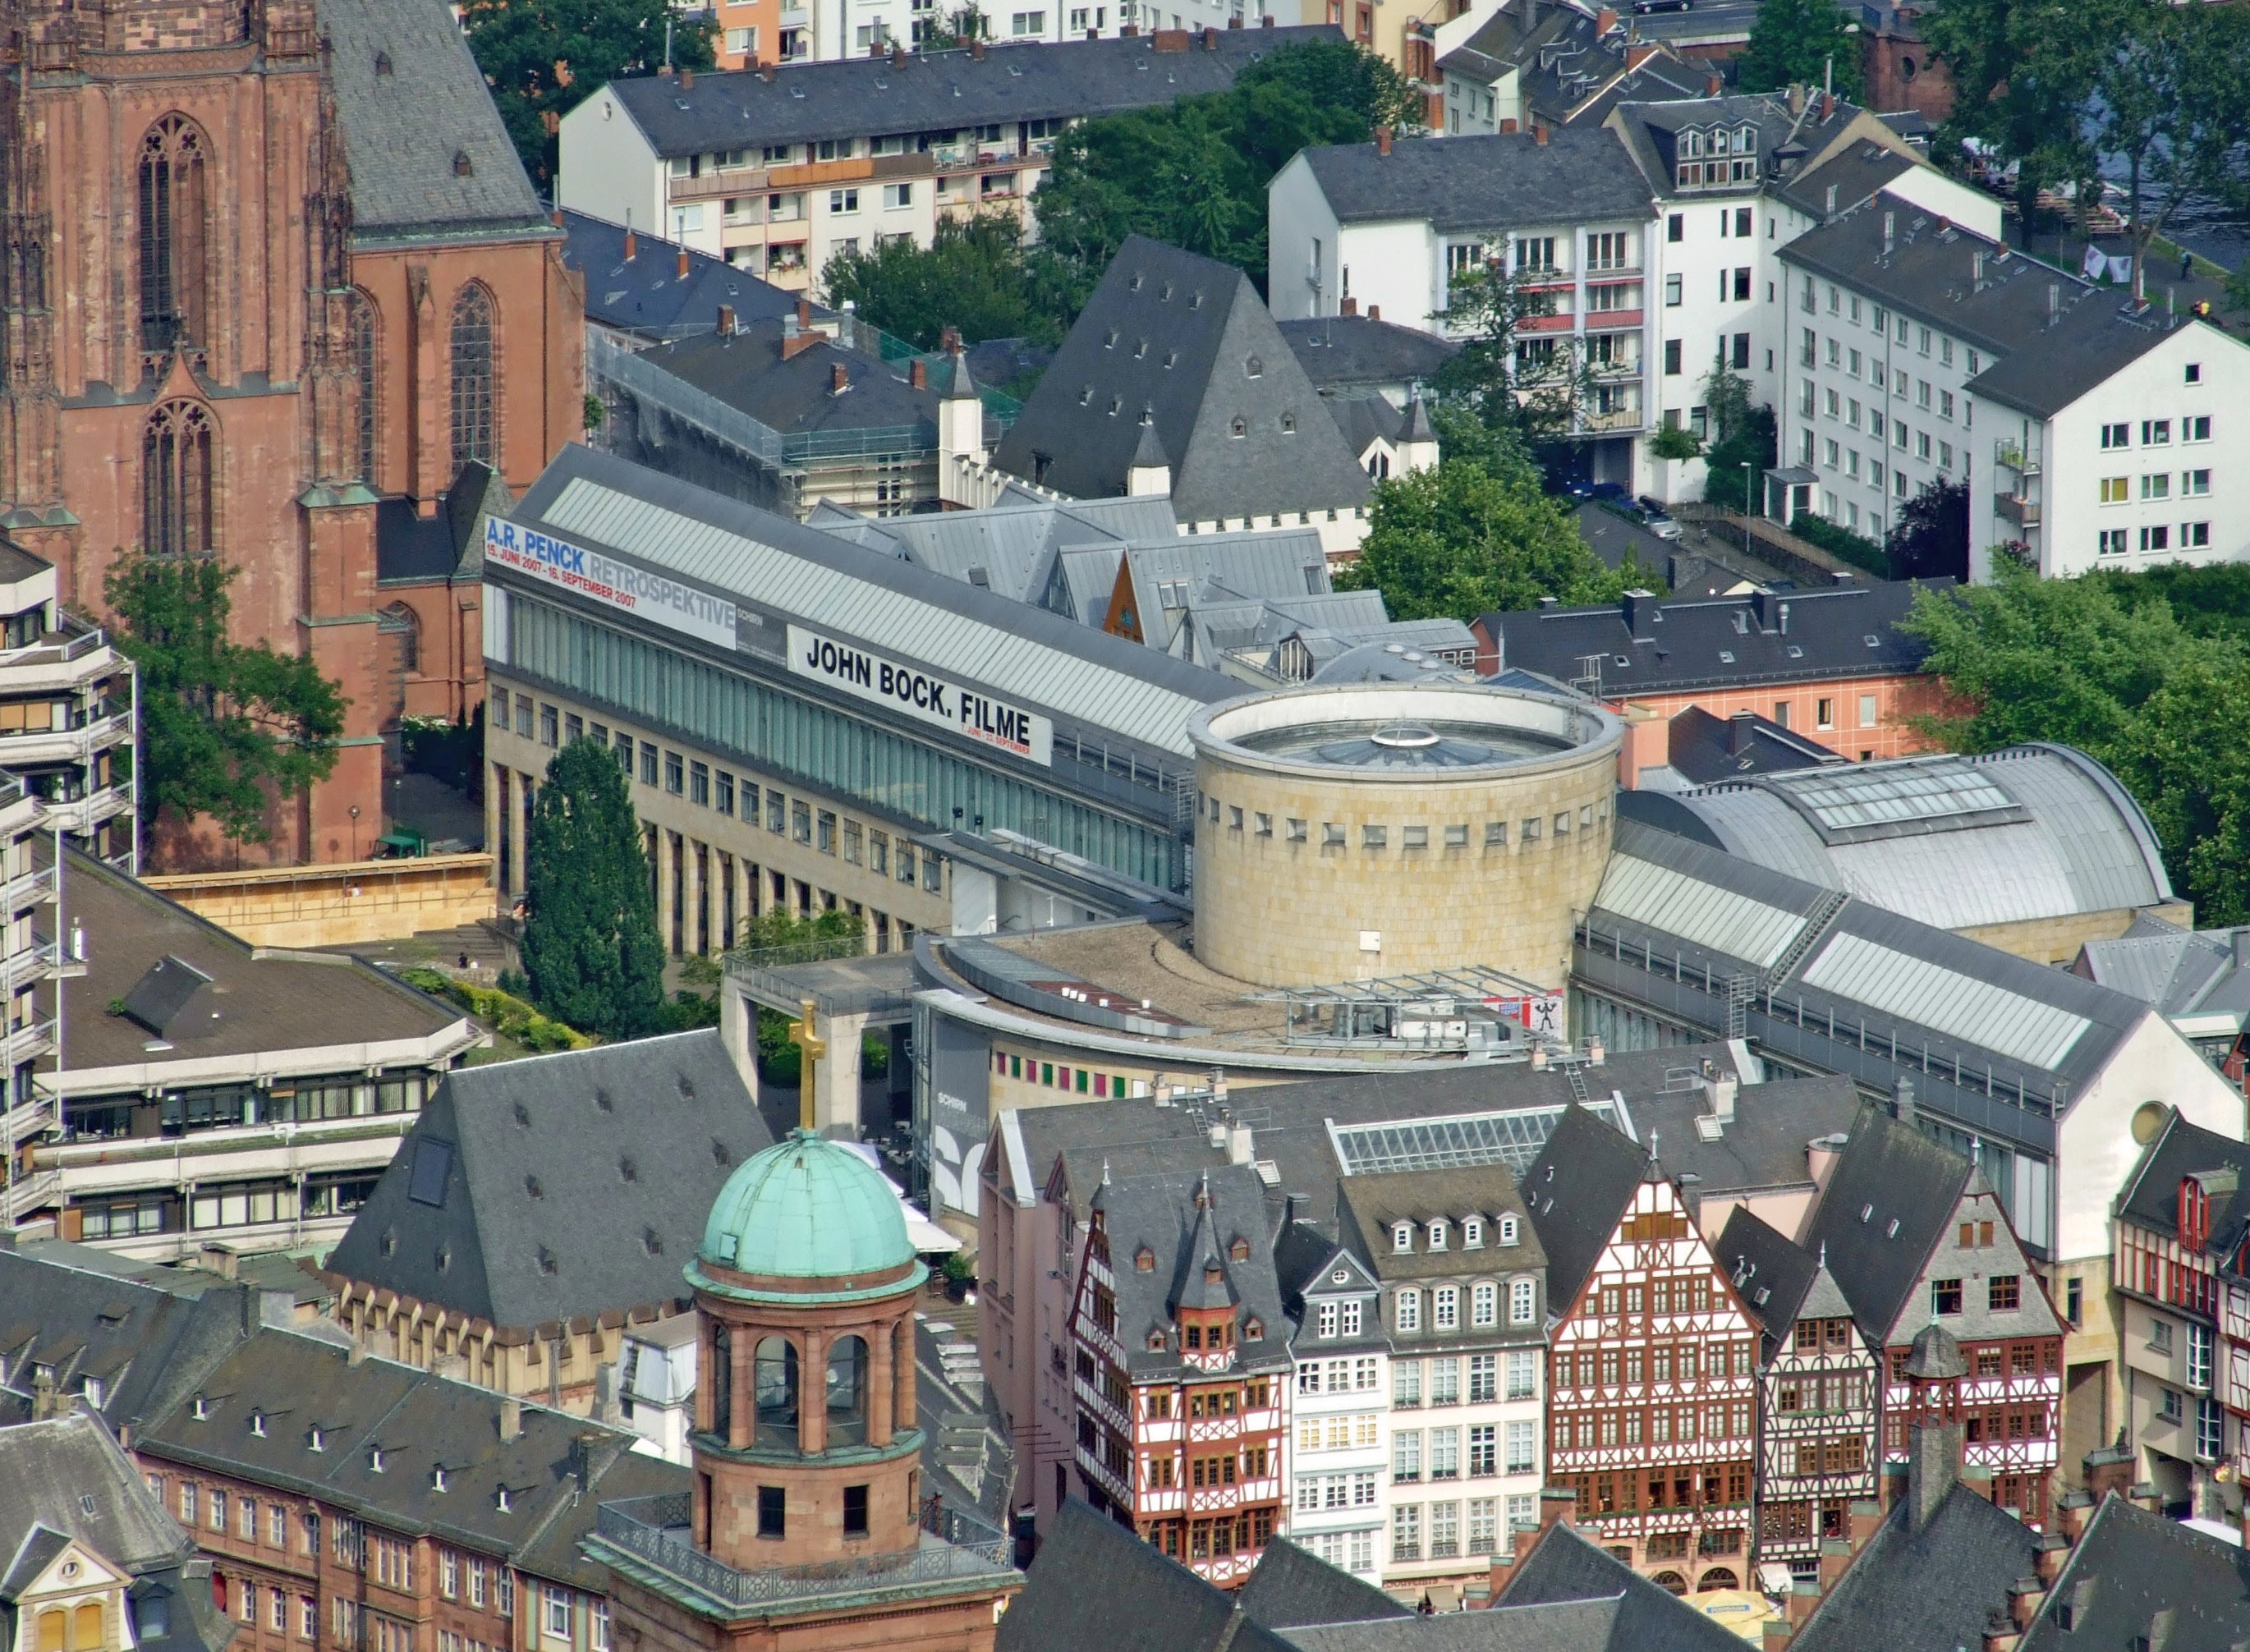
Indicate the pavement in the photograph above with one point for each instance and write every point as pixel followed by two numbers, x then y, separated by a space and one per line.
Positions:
pixel 1706 564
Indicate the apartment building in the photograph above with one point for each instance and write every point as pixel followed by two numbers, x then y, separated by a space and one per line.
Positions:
pixel 1906 331
pixel 1337 1457
pixel 778 170
pixel 1462 1272
pixel 1181 1368
pixel 68 713
pixel 1653 1389
pixel 1386 228
pixel 1819 1395
pixel 208 1089
pixel 1505 67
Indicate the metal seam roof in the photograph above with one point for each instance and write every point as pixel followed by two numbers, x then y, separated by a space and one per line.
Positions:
pixel 1945 999
pixel 863 609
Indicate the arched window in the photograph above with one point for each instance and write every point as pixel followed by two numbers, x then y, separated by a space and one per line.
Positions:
pixel 173 217
pixel 361 339
pixel 774 1379
pixel 471 360
pixel 86 1628
pixel 52 1624
pixel 847 1392
pixel 176 480
pixel 721 1379
pixel 401 626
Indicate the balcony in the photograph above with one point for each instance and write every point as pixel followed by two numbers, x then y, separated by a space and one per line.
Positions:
pixel 93 729
pixel 2014 508
pixel 2011 455
pixel 654 1533
pixel 1614 320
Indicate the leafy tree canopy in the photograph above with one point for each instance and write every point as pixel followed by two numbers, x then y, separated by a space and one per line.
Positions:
pixel 1194 173
pixel 1929 535
pixel 1795 43
pixel 1456 540
pixel 543 57
pixel 590 946
pixel 2109 667
pixel 976 276
pixel 225 727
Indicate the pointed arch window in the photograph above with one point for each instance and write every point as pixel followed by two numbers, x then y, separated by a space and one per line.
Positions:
pixel 472 362
pixel 174 216
pixel 360 336
pixel 402 628
pixel 176 468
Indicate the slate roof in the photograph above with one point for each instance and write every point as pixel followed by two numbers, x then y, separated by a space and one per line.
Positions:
pixel 531 1191
pixel 1357 353
pixel 1568 67
pixel 1483 182
pixel 1772 1274
pixel 2024 833
pixel 1181 348
pixel 1188 1239
pixel 1015 545
pixel 141 1345
pixel 413 105
pixel 1934 1586
pixel 1651 128
pixel 1724 641
pixel 410 547
pixel 643 295
pixel 2054 336
pixel 1761 1148
pixel 261 1001
pixel 797 396
pixel 1857 172
pixel 1577 1189
pixel 1290 1588
pixel 1372 1203
pixel 2150 1196
pixel 1702 748
pixel 2196 977
pixel 1563 1567
pixel 1095 1586
pixel 417 1422
pixel 2135 1579
pixel 1898 1177
pixel 944 92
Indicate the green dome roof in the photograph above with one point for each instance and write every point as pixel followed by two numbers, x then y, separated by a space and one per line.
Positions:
pixel 806 1208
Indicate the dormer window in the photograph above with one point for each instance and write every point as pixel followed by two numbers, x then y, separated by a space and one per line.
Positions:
pixel 1472 1233
pixel 1746 140
pixel 1240 1250
pixel 258 1423
pixel 1511 1232
pixel 203 1409
pixel 374 1459
pixel 1402 1243
pixel 315 1439
pixel 1144 1260
pixel 1438 1234
pixel 1156 1342
pixel 1253 1330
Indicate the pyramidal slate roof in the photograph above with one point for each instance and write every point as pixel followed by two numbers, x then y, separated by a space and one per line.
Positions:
pixel 1936 1585
pixel 1095 1586
pixel 1185 1240
pixel 430 160
pixel 531 1191
pixel 1291 1587
pixel 1563 1567
pixel 1179 348
pixel 1576 1191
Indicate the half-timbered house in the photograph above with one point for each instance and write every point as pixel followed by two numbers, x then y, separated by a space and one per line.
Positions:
pixel 2182 1316
pixel 1818 1383
pixel 1181 1366
pixel 1463 1275
pixel 1915 1234
pixel 1650 1392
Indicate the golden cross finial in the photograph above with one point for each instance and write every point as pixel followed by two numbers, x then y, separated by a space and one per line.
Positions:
pixel 812 1047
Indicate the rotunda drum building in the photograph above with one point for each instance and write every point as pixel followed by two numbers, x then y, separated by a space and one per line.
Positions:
pixel 1356 830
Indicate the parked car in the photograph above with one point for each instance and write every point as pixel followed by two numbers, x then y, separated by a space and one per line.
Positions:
pixel 1642 7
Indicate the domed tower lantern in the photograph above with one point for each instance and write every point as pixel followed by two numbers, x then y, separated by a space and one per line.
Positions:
pixel 806 1447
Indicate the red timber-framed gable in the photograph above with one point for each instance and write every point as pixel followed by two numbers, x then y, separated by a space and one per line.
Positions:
pixel 1653 1400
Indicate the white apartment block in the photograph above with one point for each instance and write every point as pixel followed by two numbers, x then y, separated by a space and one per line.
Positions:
pixel 2087 427
pixel 1339 1452
pixel 776 170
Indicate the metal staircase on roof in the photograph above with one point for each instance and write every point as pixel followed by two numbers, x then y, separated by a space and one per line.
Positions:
pixel 1816 924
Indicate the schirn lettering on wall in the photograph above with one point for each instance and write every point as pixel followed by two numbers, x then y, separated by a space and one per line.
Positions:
pixel 921 695
pixel 635 590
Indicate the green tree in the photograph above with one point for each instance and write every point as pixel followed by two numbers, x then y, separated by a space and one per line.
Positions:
pixel 2023 72
pixel 1741 434
pixel 975 275
pixel 1528 387
pixel 1456 540
pixel 2027 659
pixel 1930 535
pixel 1194 172
pixel 543 57
pixel 590 946
pixel 955 29
pixel 226 728
pixel 1800 42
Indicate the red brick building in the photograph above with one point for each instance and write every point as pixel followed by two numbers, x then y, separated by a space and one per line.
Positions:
pixel 270 275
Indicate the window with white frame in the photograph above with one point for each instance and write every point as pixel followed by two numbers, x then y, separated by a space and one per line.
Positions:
pixel 1446 1308
pixel 1402 1238
pixel 1522 1375
pixel 1484 1304
pixel 1472 1233
pixel 555 1621
pixel 1511 1230
pixel 1522 1448
pixel 1351 1317
pixel 1327 1318
pixel 1438 1234
pixel 1523 1301
pixel 1406 1310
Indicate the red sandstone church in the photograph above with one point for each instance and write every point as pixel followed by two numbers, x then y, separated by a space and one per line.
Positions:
pixel 273 279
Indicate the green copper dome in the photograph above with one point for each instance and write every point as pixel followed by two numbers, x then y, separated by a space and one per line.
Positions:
pixel 807 1209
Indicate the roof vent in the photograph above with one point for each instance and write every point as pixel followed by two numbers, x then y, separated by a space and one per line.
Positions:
pixel 437 1476
pixel 258 1423
pixel 203 1409
pixel 374 1459
pixel 382 63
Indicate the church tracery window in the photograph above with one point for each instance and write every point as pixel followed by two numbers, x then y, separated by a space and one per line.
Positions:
pixel 173 220
pixel 177 471
pixel 471 358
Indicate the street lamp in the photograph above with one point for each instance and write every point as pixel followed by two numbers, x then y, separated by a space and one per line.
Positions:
pixel 354 820
pixel 1749 488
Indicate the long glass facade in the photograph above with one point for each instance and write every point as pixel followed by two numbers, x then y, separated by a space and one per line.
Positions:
pixel 768 727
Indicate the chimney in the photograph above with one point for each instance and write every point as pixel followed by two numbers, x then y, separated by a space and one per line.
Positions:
pixel 1739 731
pixel 804 312
pixel 1902 1100
pixel 1795 100
pixel 683 264
pixel 687 79
pixel 918 374
pixel 581 1460
pixel 1832 200
pixel 1375 313
pixel 1712 86
pixel 555 218
pixel 1890 229
pixel 1539 133
pixel 1604 20
pixel 632 246
pixel 1821 1155
pixel 46 1403
pixel 1094 34
pixel 2001 1633
pixel 511 1417
pixel 977 48
pixel 1933 1467
pixel 356 1354
pixel 726 321
pixel 1347 306
pixel 1828 107
pixel 1241 1147
pixel 766 73
pixel 1641 611
pixel 1976 269
pixel 838 380
pixel 1382 140
pixel 2053 302
pixel 898 54
pixel 1507 125
pixel 1210 40
pixel 1785 619
pixel 1265 22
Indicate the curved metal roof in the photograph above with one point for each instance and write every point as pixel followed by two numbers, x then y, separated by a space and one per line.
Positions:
pixel 2033 831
